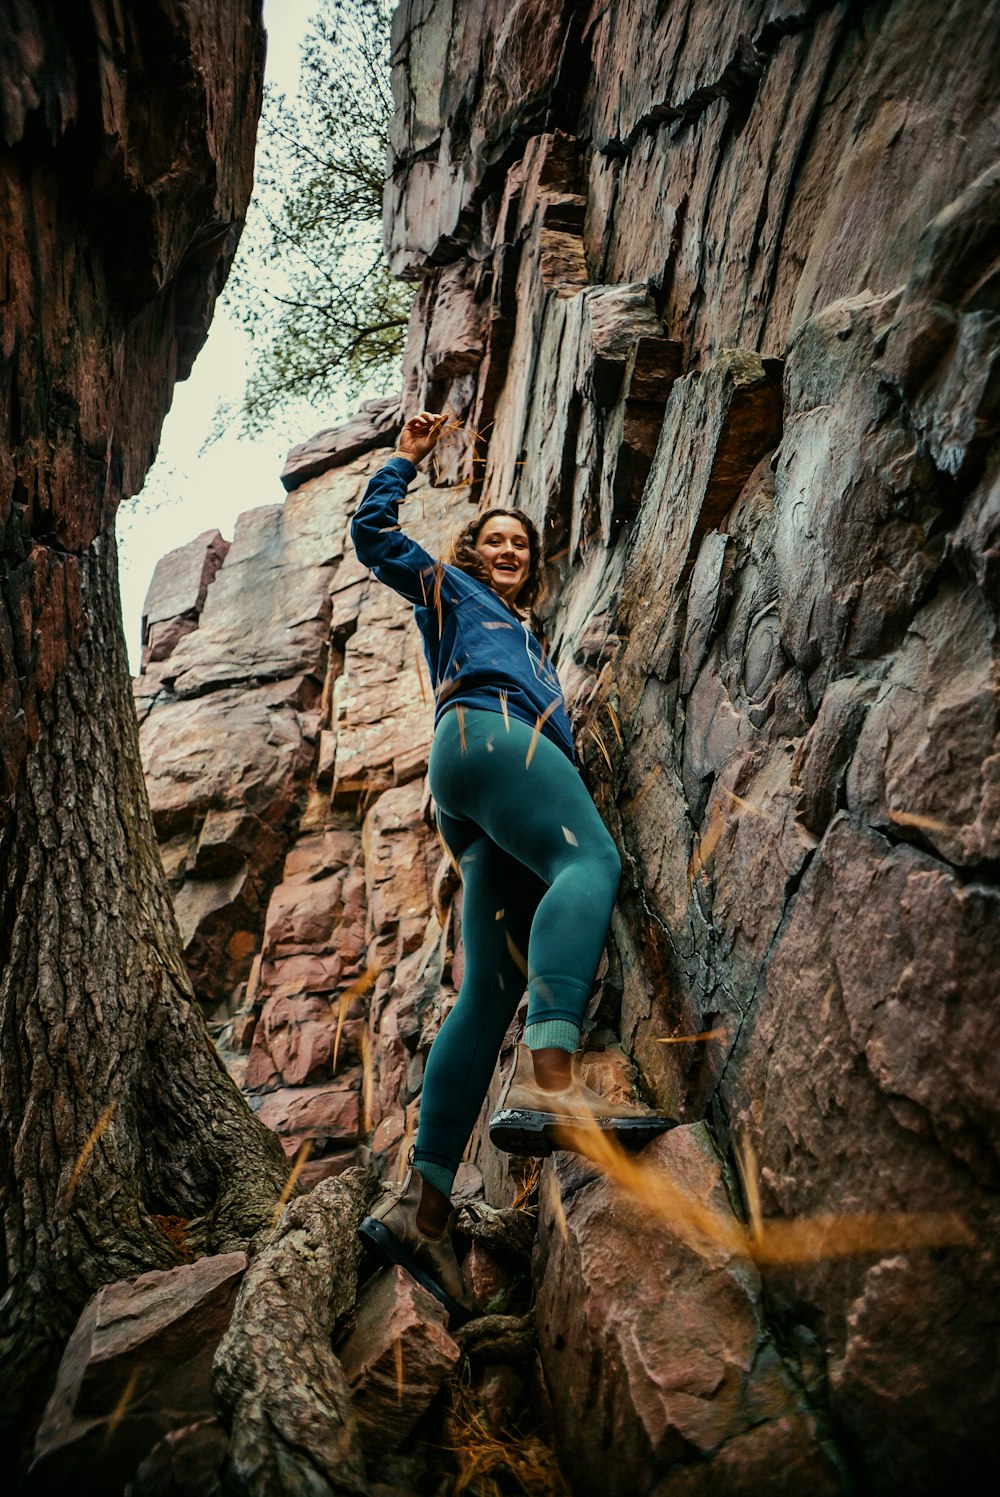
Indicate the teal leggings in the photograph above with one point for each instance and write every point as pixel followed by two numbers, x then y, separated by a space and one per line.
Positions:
pixel 539 878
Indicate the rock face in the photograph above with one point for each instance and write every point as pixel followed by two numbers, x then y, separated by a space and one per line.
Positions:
pixel 714 294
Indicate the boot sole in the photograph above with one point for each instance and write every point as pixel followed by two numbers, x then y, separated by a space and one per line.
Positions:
pixel 386 1246
pixel 539 1134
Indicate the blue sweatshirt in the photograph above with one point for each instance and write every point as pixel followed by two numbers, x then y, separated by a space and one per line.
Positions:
pixel 477 649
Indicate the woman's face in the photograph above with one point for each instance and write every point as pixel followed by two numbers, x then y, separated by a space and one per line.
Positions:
pixel 503 546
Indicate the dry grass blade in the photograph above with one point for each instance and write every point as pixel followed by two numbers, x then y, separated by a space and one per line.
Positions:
pixel 460 713
pixel 540 722
pixel 795 1240
pixel 420 677
pixel 695 1223
pixel 353 990
pixel 528 1186
pixel 707 844
pixel 719 1033
pixel 556 1205
pixel 482 1455
pixel 89 1145
pixel 397 1356
pixel 746 1164
pixel 920 822
pixel 746 805
pixel 646 786
pixel 438 579
pixel 615 724
pixel 824 1011
pixel 517 954
pixel 301 1160
pixel 503 709
pixel 807 1239
pixel 602 746
pixel 368 1083
pixel 121 1407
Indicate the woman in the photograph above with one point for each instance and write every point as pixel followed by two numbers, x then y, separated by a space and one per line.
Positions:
pixel 539 870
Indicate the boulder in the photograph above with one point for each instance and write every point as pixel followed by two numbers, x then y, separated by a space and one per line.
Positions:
pixel 653 1346
pixel 136 1368
pixel 396 1357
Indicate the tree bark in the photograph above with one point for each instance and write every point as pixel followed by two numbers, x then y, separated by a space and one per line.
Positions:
pixel 115 1108
pixel 279 1385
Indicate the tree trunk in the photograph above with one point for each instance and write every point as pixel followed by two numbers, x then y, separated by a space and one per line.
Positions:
pixel 115 1109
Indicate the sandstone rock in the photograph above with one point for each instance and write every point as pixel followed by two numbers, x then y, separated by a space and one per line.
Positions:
pixel 296 1038
pixel 396 1357
pixel 658 1376
pixel 933 769
pixel 431 186
pixel 376 425
pixel 325 1114
pixel 454 338
pixel 177 593
pixel 503 1392
pixel 400 857
pixel 137 1366
pixel 186 1460
pixel 825 1049
pixel 267 614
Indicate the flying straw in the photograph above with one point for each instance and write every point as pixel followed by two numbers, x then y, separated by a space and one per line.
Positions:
pixel 539 724
pixel 118 1412
pixel 706 845
pixel 555 1202
pixel 795 1240
pixel 921 823
pixel 353 990
pixel 368 1087
pixel 420 676
pixel 301 1160
pixel 595 735
pixel 397 1353
pixel 746 805
pixel 692 1039
pixel 89 1145
pixel 516 954
pixel 746 1164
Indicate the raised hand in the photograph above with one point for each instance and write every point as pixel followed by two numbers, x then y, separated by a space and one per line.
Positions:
pixel 419 436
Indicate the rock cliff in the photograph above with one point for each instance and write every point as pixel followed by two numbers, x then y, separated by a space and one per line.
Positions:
pixel 714 294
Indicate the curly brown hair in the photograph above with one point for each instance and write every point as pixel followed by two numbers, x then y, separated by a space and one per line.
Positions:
pixel 462 553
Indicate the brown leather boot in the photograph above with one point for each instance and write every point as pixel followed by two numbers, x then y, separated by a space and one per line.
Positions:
pixel 531 1120
pixel 391 1234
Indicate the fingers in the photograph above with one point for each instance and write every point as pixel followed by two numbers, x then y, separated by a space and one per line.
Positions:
pixel 425 423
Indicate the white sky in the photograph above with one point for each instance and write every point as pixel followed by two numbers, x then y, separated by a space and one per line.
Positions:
pixel 187 492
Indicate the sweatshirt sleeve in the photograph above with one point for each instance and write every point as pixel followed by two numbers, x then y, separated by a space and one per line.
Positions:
pixel 379 543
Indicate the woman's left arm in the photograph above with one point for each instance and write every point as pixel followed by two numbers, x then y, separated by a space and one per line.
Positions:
pixel 380 544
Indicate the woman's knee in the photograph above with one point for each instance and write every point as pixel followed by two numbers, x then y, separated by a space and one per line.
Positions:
pixel 605 864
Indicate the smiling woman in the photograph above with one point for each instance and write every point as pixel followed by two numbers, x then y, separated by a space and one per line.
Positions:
pixel 539 870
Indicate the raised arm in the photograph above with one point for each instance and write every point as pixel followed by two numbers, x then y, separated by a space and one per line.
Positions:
pixel 394 558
